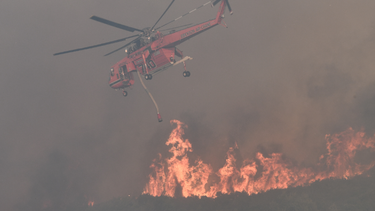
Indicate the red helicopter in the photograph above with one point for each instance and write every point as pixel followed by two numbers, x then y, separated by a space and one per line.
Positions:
pixel 152 52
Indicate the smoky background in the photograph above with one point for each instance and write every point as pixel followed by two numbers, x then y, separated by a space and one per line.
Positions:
pixel 278 79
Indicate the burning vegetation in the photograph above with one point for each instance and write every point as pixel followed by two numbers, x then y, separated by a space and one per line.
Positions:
pixel 266 182
pixel 261 174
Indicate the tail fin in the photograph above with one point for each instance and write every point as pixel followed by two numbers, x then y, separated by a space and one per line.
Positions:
pixel 220 13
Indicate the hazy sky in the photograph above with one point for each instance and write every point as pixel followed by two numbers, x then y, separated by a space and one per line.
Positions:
pixel 284 74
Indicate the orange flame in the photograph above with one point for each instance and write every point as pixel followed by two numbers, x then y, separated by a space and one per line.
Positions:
pixel 276 173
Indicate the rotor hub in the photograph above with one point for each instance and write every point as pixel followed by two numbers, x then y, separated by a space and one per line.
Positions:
pixel 147 32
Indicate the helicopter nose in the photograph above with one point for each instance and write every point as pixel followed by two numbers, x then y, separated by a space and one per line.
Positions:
pixel 112 83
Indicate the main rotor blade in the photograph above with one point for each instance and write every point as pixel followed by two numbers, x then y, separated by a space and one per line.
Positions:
pixel 139 36
pixel 185 14
pixel 162 15
pixel 94 46
pixel 215 2
pixel 117 25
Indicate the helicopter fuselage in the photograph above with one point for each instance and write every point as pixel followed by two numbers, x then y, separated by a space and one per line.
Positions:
pixel 158 54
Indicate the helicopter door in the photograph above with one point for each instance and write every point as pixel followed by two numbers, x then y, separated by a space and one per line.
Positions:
pixel 124 73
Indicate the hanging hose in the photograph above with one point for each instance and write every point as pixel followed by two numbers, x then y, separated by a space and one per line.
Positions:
pixel 152 98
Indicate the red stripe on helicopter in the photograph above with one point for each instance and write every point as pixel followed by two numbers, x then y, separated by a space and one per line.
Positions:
pixel 199 28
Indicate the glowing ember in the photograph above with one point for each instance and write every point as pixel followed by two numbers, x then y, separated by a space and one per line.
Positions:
pixel 276 173
pixel 90 203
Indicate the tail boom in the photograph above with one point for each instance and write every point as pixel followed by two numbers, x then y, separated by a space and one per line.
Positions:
pixel 185 34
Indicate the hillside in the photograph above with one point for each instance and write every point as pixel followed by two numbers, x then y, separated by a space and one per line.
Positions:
pixel 354 194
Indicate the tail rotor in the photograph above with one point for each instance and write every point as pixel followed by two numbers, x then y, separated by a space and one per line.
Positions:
pixel 215 2
pixel 226 2
pixel 229 7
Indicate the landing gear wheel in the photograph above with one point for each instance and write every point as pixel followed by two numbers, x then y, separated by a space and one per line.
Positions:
pixel 124 93
pixel 148 76
pixel 186 73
